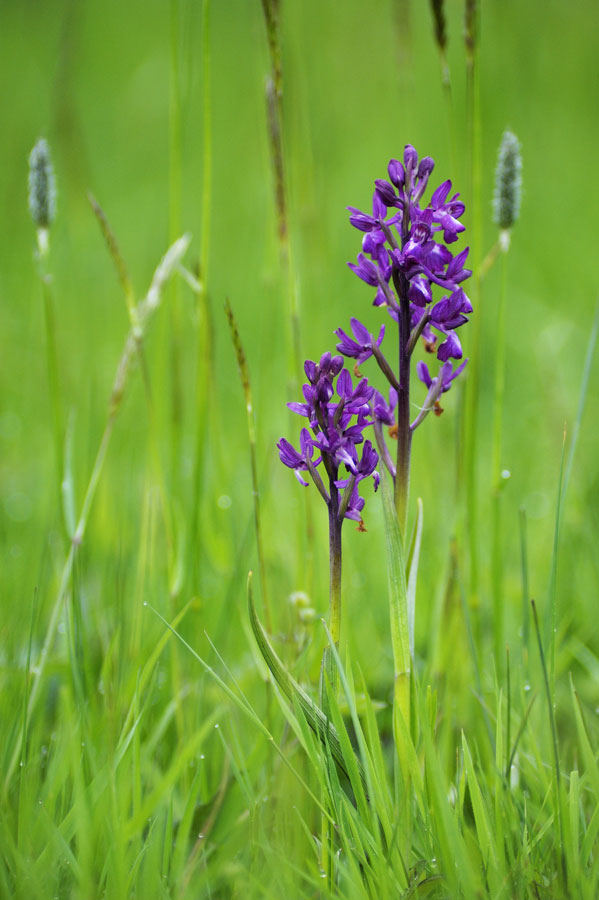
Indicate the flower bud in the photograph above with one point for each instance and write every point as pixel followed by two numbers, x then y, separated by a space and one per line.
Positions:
pixel 42 185
pixel 508 182
pixel 396 173
pixel 385 192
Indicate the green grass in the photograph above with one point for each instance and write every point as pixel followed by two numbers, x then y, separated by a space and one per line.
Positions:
pixel 140 761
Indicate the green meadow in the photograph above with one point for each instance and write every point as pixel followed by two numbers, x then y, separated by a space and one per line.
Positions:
pixel 146 749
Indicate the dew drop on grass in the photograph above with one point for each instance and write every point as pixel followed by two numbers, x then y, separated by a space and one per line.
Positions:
pixel 224 502
pixel 200 836
pixel 217 725
pixel 202 756
pixel 527 686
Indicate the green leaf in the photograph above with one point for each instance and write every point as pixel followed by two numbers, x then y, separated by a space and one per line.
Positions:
pixel 481 818
pixel 413 560
pixel 315 717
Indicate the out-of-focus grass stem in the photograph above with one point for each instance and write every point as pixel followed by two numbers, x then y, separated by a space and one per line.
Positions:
pixel 440 32
pixel 557 772
pixel 274 109
pixel 203 315
pixel 244 374
pixel 174 194
pixel 274 116
pixel 176 342
pixel 53 370
pixel 525 589
pixel 126 284
pixel 497 478
pixel 144 310
pixel 564 478
pixel 473 130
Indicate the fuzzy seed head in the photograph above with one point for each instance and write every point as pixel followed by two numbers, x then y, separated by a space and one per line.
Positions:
pixel 42 185
pixel 508 182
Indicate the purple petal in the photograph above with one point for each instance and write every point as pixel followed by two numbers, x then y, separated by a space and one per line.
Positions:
pixel 450 348
pixel 440 195
pixel 424 374
pixel 396 173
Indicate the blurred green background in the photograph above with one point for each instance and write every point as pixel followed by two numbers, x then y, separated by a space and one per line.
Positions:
pixel 98 80
pixel 118 90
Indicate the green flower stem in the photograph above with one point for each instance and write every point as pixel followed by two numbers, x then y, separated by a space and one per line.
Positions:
pixel 53 376
pixel 496 566
pixel 335 561
pixel 204 348
pixel 335 565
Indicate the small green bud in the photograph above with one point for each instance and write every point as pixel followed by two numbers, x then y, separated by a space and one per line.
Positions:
pixel 42 185
pixel 508 182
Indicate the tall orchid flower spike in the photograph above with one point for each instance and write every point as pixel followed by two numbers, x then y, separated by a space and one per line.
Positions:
pixel 407 255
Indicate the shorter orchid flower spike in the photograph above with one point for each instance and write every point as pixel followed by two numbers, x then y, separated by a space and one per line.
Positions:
pixel 336 428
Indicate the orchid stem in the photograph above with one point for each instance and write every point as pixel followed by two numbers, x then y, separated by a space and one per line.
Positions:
pixel 404 433
pixel 335 523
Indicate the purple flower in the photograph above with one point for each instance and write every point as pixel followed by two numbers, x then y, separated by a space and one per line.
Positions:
pixel 366 270
pixel 414 241
pixel 451 348
pixel 386 193
pixel 359 349
pixel 298 461
pixel 362 469
pixel 364 222
pixel 337 427
pixel 385 412
pixel 446 215
pixel 450 312
pixel 447 374
pixel 396 173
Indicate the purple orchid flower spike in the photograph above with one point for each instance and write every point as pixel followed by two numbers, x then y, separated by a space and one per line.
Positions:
pixel 407 254
pixel 337 425
pixel 338 414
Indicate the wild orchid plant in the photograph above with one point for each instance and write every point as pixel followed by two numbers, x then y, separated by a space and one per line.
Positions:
pixel 406 258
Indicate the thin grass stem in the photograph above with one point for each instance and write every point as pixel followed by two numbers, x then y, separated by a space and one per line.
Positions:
pixel 174 227
pixel 244 375
pixel 557 771
pixel 204 361
pixel 52 355
pixel 496 476
pixel 145 309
